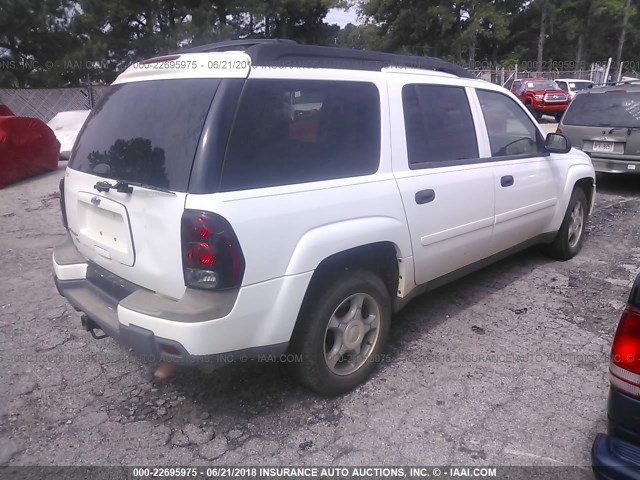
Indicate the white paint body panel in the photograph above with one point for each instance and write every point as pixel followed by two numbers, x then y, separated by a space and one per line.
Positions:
pixel 154 223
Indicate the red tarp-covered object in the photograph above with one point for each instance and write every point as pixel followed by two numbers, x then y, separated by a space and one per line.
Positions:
pixel 5 111
pixel 28 147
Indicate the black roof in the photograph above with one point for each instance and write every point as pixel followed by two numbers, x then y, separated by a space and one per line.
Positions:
pixel 288 53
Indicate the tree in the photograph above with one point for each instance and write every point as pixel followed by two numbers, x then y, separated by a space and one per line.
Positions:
pixel 625 21
pixel 33 38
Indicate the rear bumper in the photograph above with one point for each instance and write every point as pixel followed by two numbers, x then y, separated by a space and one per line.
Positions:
pixel 617 455
pixel 254 321
pixel 610 165
pixel 101 311
pixel 550 107
pixel 615 459
pixel 623 414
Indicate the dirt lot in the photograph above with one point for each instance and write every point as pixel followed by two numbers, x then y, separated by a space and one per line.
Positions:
pixel 506 367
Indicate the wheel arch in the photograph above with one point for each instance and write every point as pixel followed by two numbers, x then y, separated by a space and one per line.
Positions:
pixel 578 176
pixel 381 258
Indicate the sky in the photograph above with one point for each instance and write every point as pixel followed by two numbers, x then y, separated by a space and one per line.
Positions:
pixel 342 17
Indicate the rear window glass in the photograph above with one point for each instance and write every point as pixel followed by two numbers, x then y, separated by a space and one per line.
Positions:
pixel 146 132
pixel 579 85
pixel 614 108
pixel 296 131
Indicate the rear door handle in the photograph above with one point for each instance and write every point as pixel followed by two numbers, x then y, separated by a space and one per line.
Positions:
pixel 425 196
pixel 506 181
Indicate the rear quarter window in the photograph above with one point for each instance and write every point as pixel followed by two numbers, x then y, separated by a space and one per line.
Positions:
pixel 298 131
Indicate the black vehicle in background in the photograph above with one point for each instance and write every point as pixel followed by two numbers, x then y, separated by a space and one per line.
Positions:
pixel 616 455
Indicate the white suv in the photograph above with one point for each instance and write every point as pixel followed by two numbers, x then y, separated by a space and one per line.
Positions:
pixel 258 199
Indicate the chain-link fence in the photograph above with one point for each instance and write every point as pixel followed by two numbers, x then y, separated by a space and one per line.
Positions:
pixel 598 74
pixel 45 103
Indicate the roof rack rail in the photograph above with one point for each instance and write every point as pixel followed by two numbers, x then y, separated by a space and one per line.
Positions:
pixel 288 53
pixel 231 45
pixel 613 84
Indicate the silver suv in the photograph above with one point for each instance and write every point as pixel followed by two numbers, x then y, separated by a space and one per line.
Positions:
pixel 604 122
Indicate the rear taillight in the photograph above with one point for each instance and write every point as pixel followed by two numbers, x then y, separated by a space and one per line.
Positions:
pixel 211 254
pixel 62 206
pixel 625 353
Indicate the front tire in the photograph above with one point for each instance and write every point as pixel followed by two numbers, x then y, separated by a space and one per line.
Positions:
pixel 341 330
pixel 536 113
pixel 570 237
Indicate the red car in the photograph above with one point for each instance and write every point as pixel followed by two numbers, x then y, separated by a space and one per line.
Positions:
pixel 541 96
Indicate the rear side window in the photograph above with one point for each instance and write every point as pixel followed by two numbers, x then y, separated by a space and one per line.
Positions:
pixel 511 131
pixel 297 131
pixel 616 108
pixel 146 132
pixel 438 125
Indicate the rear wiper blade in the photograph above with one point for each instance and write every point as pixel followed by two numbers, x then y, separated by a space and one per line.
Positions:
pixel 127 187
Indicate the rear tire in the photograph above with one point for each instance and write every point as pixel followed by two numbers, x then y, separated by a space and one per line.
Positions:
pixel 341 331
pixel 570 237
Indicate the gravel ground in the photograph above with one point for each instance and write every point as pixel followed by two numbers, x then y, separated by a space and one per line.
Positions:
pixel 505 367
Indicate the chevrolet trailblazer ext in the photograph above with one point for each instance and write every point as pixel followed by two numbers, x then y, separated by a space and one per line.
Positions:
pixel 260 198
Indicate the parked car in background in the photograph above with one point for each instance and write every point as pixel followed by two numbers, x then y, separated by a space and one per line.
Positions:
pixel 541 97
pixel 573 85
pixel 66 126
pixel 604 122
pixel 250 211
pixel 616 455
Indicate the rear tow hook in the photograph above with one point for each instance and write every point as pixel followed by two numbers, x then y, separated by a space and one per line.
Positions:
pixel 89 325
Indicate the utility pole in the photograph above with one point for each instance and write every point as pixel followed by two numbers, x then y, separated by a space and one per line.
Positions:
pixel 542 35
pixel 625 21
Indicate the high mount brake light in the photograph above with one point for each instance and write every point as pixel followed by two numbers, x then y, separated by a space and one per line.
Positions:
pixel 166 58
pixel 211 255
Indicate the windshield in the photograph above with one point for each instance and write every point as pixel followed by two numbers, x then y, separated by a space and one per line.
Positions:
pixel 542 85
pixel 616 108
pixel 146 132
pixel 579 85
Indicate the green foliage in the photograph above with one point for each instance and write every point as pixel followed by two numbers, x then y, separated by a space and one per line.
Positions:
pixel 33 35
pixel 65 42
pixel 488 32
pixel 62 42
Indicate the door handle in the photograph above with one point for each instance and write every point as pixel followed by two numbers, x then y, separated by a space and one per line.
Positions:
pixel 425 196
pixel 506 181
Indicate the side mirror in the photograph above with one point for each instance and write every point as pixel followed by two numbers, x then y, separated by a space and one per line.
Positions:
pixel 557 143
